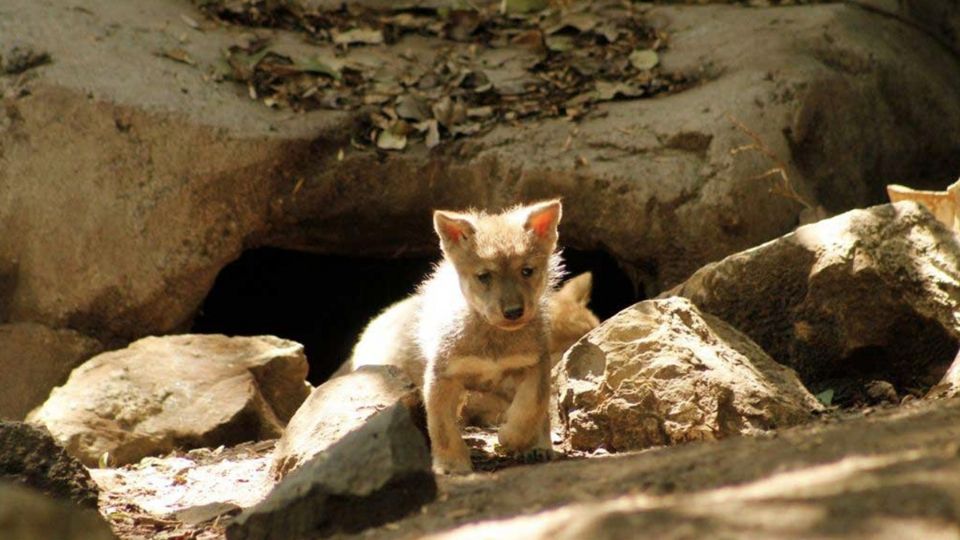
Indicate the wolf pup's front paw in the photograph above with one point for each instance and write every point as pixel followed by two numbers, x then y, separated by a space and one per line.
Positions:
pixel 535 455
pixel 452 463
pixel 514 441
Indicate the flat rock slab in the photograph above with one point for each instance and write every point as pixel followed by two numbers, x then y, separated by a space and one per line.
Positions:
pixel 888 475
pixel 662 372
pixel 870 293
pixel 374 475
pixel 337 408
pixel 26 514
pixel 34 359
pixel 176 392
pixel 30 456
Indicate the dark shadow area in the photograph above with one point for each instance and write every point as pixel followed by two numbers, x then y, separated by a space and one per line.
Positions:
pixel 612 288
pixel 921 354
pixel 325 301
pixel 321 301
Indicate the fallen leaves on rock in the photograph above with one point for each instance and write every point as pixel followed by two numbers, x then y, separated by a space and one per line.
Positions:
pixel 449 72
pixel 185 494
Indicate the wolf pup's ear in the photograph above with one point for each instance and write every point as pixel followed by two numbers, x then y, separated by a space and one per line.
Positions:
pixel 542 220
pixel 578 288
pixel 454 229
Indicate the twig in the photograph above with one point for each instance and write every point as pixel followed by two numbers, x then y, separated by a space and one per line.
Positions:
pixel 783 187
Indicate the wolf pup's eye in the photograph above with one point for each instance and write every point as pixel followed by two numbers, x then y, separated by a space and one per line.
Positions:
pixel 526 271
pixel 484 278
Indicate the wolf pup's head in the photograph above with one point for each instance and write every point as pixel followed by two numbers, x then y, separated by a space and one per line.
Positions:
pixel 504 260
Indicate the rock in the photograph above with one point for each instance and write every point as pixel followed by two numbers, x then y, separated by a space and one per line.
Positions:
pixel 27 515
pixel 807 81
pixel 338 407
pixel 661 372
pixel 176 392
pixel 30 456
pixel 871 294
pixel 168 177
pixel 949 385
pixel 33 360
pixel 937 18
pixel 196 515
pixel 881 392
pixel 374 475
pixel 887 475
pixel 184 173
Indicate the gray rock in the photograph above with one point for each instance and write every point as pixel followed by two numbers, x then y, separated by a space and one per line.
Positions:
pixel 871 292
pixel 196 515
pixel 34 359
pixel 339 407
pixel 949 385
pixel 178 391
pixel 30 456
pixel 185 173
pixel 938 18
pixel 661 372
pixel 374 475
pixel 28 515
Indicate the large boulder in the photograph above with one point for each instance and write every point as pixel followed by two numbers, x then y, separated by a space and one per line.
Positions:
pixel 33 360
pixel 662 372
pixel 167 175
pixel 374 475
pixel 938 18
pixel 338 407
pixel 30 456
pixel 179 391
pixel 26 514
pixel 870 294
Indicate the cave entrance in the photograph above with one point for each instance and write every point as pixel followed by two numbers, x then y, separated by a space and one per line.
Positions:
pixel 325 301
pixel 321 301
pixel 613 289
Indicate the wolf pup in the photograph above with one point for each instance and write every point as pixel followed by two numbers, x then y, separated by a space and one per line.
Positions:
pixel 484 317
pixel 479 318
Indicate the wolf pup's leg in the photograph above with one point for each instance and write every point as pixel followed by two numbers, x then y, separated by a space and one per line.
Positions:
pixel 441 396
pixel 527 425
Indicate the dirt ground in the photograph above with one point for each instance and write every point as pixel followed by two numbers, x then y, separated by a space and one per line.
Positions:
pixel 888 472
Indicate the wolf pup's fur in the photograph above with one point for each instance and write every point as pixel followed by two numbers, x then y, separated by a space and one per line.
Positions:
pixel 570 319
pixel 480 317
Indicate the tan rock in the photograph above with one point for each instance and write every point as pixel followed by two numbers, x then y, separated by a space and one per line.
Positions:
pixel 338 407
pixel 179 391
pixel 662 372
pixel 872 294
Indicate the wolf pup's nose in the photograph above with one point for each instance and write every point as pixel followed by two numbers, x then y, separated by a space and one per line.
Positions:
pixel 513 313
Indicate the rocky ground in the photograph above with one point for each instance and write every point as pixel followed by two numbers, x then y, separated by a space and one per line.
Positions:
pixel 793 373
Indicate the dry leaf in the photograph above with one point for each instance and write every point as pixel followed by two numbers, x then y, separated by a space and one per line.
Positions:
pixel 433 134
pixel 388 140
pixel 367 36
pixel 178 55
pixel 644 59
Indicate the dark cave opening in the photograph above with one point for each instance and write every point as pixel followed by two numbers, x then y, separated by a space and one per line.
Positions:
pixel 321 301
pixel 325 301
pixel 613 289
